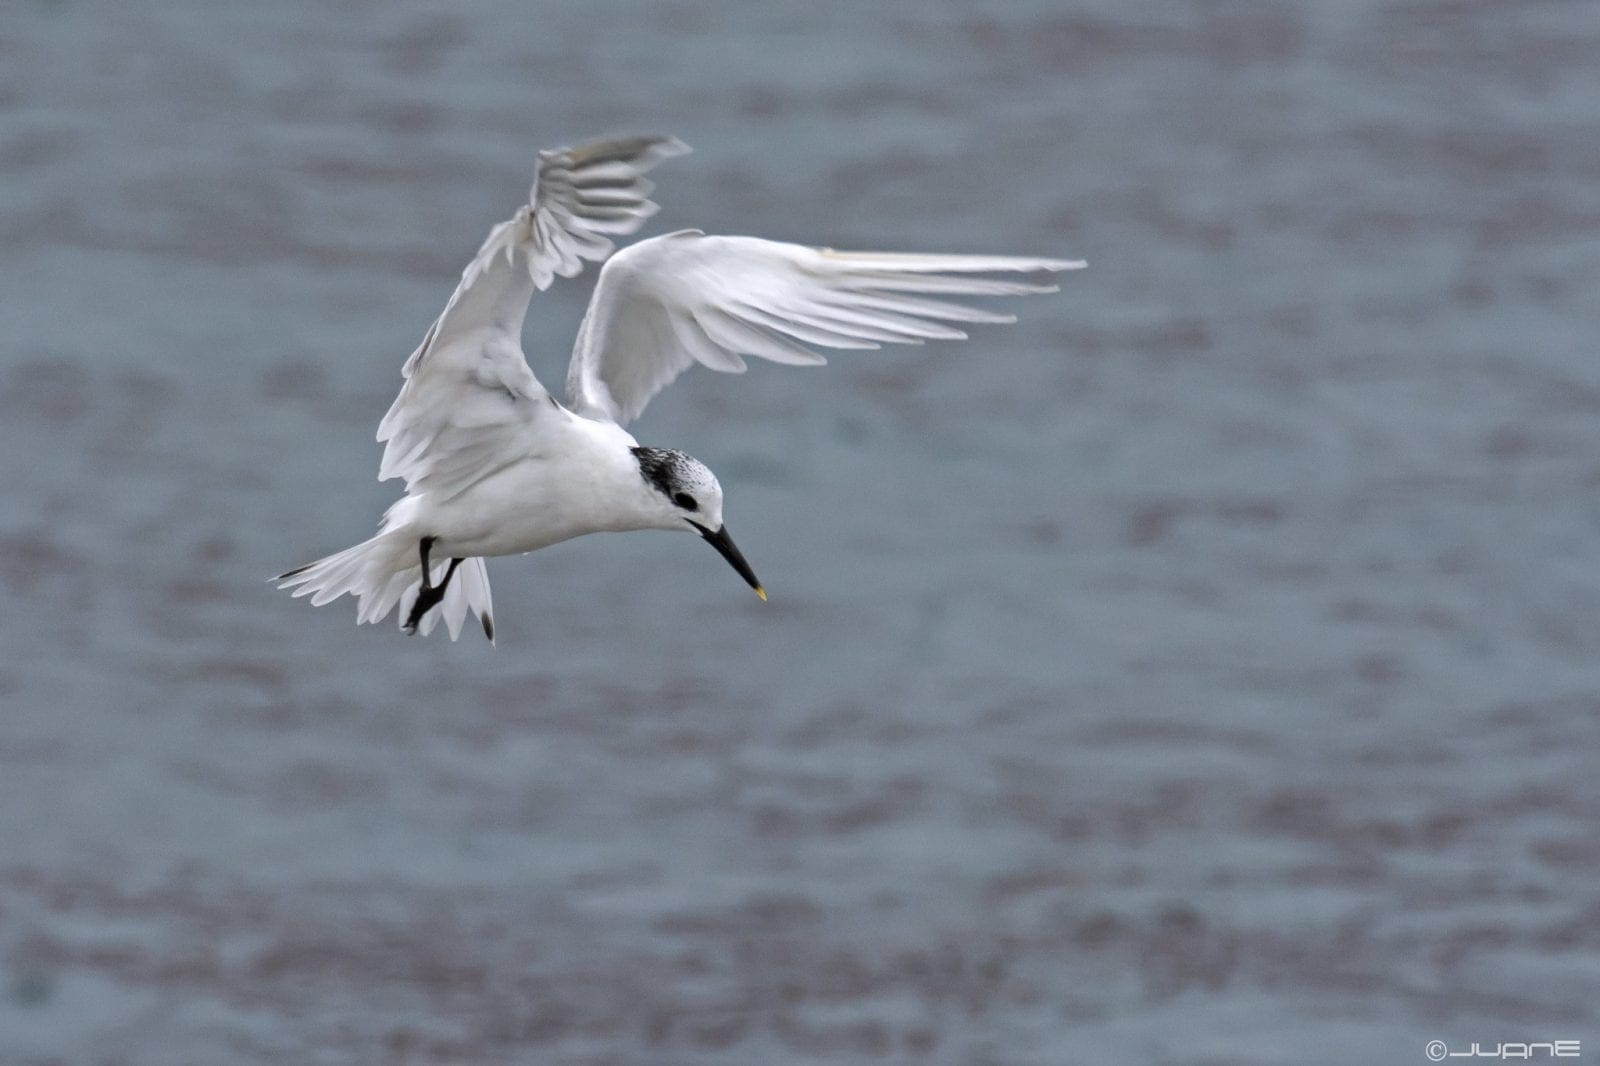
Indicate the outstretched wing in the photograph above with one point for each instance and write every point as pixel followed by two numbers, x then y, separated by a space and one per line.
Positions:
pixel 469 398
pixel 667 303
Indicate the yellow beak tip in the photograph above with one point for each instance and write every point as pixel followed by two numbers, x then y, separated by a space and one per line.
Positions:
pixel 762 593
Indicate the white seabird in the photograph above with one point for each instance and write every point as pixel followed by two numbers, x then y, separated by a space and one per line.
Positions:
pixel 496 465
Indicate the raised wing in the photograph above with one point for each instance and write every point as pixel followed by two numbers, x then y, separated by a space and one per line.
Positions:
pixel 469 397
pixel 667 303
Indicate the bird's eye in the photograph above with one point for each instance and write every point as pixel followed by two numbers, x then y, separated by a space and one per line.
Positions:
pixel 686 501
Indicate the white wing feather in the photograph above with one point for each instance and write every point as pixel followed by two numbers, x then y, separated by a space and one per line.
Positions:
pixel 669 302
pixel 469 399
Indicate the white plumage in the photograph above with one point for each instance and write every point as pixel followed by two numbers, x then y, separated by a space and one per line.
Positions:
pixel 494 465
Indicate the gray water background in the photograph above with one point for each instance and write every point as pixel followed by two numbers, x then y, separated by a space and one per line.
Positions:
pixel 1205 669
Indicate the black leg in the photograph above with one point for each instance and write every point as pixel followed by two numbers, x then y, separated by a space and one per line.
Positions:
pixel 425 546
pixel 429 594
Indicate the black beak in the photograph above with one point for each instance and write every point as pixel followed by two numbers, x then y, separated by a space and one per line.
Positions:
pixel 724 544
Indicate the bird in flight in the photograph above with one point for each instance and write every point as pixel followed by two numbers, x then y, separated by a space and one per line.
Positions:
pixel 495 465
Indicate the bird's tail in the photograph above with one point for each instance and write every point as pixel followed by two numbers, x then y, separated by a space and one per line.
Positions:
pixel 384 573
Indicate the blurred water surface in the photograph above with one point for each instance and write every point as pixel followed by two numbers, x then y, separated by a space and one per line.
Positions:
pixel 1204 670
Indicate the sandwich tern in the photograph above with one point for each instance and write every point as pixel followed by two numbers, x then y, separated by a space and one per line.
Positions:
pixel 495 465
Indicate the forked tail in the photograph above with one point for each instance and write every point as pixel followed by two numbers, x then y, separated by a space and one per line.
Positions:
pixel 384 573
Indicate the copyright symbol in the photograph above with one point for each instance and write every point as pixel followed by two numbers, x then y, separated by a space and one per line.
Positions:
pixel 1436 1050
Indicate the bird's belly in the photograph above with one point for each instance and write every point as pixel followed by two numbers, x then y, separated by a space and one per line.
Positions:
pixel 521 509
pixel 508 537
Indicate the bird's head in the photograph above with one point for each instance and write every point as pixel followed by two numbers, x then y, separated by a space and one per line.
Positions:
pixel 685 496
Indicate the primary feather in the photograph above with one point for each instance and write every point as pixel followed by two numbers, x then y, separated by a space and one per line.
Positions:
pixel 667 303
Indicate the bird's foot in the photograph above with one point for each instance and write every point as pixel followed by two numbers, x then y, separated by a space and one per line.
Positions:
pixel 426 599
pixel 428 595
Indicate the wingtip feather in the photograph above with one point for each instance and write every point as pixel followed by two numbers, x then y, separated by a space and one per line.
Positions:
pixel 670 147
